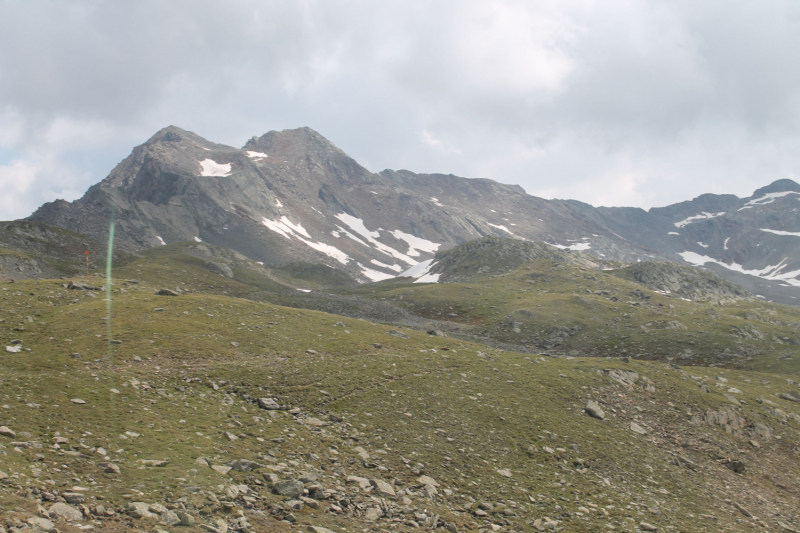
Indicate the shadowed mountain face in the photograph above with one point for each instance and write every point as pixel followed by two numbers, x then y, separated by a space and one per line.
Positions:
pixel 292 196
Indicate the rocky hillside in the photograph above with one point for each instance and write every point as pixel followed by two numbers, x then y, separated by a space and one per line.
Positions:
pixel 203 412
pixel 32 250
pixel 538 299
pixel 685 282
pixel 491 256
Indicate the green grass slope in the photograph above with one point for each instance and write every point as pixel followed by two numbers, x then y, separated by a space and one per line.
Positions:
pixel 172 401
pixel 563 309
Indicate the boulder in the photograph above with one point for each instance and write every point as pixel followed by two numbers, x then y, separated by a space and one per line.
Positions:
pixel 792 396
pixel 185 518
pixel 40 524
pixel 269 404
pixel 166 292
pixel 244 465
pixel 138 510
pixel 372 514
pixel 109 468
pixel 290 488
pixel 427 480
pixel 318 529
pixel 382 488
pixel 67 512
pixel 362 482
pixel 159 463
pixel 73 497
pixel 78 286
pixel 170 518
pixel 594 410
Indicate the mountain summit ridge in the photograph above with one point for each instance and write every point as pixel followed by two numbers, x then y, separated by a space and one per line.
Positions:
pixel 292 195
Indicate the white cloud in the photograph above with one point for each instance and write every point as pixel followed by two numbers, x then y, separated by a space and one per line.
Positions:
pixel 16 177
pixel 15 180
pixel 664 100
pixel 428 140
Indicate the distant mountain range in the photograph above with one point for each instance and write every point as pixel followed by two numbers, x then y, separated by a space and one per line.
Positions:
pixel 292 196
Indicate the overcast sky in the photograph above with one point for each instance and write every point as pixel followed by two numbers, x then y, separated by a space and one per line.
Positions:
pixel 613 102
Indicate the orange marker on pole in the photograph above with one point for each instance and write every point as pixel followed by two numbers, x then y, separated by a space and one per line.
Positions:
pixel 87 264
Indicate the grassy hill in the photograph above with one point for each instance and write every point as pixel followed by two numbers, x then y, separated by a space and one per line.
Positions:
pixel 172 401
pixel 567 310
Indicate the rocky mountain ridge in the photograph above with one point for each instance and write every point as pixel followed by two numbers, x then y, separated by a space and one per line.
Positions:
pixel 293 196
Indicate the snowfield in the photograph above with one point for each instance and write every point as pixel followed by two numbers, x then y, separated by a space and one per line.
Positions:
pixel 288 229
pixel 778 232
pixel 774 272
pixel 421 272
pixel 210 168
pixel 695 218
pixel 766 199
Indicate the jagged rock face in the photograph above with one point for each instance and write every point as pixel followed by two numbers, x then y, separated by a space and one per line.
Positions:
pixel 286 197
pixel 293 196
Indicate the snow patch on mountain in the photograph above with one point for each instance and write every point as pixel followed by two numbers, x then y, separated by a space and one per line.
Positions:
pixel 256 155
pixel 702 244
pixel 420 269
pixel 500 227
pixel 288 229
pixel 779 232
pixel 725 244
pixel 415 244
pixel 327 249
pixel 285 227
pixel 578 246
pixel 766 199
pixel 161 240
pixel 428 278
pixel 198 239
pixel 357 225
pixel 341 231
pixel 209 167
pixel 673 233
pixel 774 272
pixel 421 272
pixel 436 201
pixel 701 216
pixel 395 267
pixel 374 275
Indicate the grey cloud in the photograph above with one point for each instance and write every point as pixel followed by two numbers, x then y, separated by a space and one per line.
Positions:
pixel 615 102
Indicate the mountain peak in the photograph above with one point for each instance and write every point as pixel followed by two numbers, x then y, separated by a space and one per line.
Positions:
pixel 292 143
pixel 783 185
pixel 175 134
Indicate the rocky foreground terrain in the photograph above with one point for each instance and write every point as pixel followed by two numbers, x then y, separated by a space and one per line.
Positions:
pixel 197 391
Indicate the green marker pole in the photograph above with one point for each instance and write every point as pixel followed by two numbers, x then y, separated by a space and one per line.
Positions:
pixel 108 278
